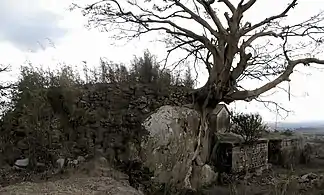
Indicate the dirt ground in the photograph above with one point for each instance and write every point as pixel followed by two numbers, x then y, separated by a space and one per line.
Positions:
pixel 98 179
pixel 275 181
pixel 90 178
pixel 79 186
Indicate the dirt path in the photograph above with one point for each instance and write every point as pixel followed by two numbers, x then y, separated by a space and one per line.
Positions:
pixel 75 186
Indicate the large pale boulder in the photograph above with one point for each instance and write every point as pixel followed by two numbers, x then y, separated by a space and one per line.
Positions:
pixel 170 146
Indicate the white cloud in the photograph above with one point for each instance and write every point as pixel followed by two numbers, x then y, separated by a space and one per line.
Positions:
pixel 25 24
pixel 79 44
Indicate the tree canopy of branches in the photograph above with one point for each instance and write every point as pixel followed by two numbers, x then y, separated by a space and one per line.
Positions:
pixel 230 49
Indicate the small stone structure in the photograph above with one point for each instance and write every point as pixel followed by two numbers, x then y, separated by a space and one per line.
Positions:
pixel 220 119
pixel 278 146
pixel 250 157
pixel 234 156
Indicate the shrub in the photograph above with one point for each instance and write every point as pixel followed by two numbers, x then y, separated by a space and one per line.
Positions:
pixel 306 153
pixel 249 126
pixel 28 126
pixel 287 132
pixel 289 158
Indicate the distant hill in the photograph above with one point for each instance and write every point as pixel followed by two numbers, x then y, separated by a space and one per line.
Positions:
pixel 307 126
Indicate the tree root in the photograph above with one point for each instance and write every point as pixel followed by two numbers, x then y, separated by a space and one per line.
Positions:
pixel 187 182
pixel 203 127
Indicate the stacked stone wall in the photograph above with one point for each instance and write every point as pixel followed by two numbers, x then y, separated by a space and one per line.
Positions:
pixel 249 157
pixel 84 120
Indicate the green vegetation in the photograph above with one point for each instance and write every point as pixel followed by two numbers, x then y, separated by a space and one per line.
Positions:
pixel 45 119
pixel 249 126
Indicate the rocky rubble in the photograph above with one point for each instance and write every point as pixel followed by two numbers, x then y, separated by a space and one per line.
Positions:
pixel 309 177
pixel 61 163
pixel 301 183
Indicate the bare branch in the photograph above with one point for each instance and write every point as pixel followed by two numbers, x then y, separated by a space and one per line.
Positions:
pixel 248 5
pixel 241 66
pixel 218 50
pixel 213 15
pixel 229 5
pixel 268 20
pixel 258 35
pixel 267 104
pixel 197 18
pixel 252 94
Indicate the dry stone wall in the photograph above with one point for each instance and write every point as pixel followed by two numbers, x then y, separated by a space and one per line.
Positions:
pixel 249 157
pixel 119 110
pixel 234 156
pixel 285 151
pixel 100 119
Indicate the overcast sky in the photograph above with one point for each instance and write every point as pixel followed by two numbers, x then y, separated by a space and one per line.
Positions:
pixel 46 33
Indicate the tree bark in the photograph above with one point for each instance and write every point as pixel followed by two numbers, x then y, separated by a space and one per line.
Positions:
pixel 205 100
pixel 206 97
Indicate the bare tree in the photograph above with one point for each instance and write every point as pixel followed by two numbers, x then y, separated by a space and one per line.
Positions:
pixel 231 50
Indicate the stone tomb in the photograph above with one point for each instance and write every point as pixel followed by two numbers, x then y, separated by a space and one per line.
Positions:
pixel 234 156
pixel 278 146
pixel 250 157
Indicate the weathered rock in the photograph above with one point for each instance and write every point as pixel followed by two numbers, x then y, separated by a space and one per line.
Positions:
pixel 15 167
pixel 169 148
pixel 81 159
pixel 39 164
pixel 22 162
pixel 60 163
pixel 73 162
pixel 207 175
pixel 308 177
pixel 102 160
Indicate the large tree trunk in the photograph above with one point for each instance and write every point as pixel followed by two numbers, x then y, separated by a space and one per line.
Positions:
pixel 205 100
pixel 206 97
